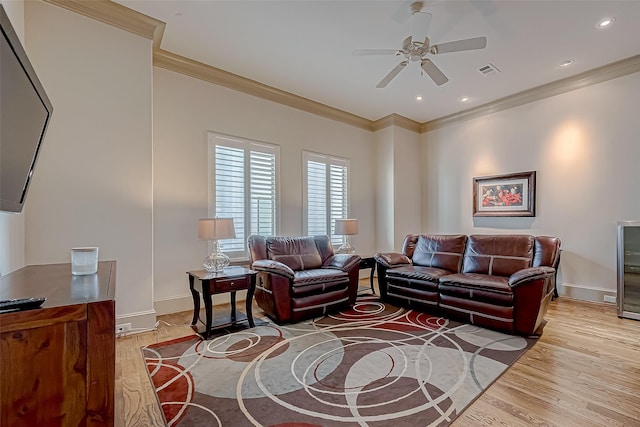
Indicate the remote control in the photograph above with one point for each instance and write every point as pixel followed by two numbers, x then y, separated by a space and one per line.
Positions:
pixel 21 303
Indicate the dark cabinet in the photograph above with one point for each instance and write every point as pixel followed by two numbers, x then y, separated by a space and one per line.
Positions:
pixel 57 362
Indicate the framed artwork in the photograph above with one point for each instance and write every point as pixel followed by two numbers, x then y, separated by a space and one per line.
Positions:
pixel 505 195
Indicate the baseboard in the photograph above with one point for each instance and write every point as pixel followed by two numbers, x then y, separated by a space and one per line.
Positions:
pixel 140 322
pixel 584 293
pixel 185 302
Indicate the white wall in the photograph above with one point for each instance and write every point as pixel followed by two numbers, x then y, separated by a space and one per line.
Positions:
pixel 12 251
pixel 399 187
pixel 584 147
pixel 184 110
pixel 93 182
pixel 384 197
pixel 407 185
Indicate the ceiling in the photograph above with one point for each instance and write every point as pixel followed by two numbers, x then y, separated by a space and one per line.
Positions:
pixel 305 47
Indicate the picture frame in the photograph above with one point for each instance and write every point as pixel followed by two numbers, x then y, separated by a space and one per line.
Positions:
pixel 505 195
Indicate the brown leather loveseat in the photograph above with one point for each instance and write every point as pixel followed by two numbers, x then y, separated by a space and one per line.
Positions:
pixel 301 277
pixel 502 282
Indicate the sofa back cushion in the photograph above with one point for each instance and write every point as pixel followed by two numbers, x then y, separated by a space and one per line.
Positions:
pixel 439 251
pixel 498 255
pixel 547 252
pixel 298 253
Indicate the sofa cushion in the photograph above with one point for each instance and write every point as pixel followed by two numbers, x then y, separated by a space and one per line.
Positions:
pixel 498 255
pixel 298 253
pixel 318 281
pixel 479 287
pixel 417 272
pixel 547 251
pixel 305 277
pixel 439 251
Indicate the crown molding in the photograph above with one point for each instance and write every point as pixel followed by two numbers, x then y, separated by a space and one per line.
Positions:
pixel 199 70
pixel 597 75
pixel 396 120
pixel 118 16
pixel 127 19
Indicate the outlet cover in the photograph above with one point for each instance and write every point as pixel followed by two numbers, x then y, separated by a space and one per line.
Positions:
pixel 610 298
pixel 122 328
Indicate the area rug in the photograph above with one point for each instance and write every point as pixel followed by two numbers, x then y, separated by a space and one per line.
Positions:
pixel 373 365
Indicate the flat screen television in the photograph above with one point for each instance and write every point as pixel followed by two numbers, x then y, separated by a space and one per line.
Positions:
pixel 25 112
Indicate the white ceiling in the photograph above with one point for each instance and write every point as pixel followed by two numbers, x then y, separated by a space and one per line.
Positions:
pixel 305 47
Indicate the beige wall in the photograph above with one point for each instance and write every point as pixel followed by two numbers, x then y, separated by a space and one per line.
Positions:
pixel 12 225
pixel 93 183
pixel 399 187
pixel 184 110
pixel 124 166
pixel 584 147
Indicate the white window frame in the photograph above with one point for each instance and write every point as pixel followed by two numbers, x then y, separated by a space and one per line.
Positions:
pixel 247 145
pixel 328 161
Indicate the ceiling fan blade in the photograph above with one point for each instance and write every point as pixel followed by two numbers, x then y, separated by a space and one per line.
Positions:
pixel 406 43
pixel 434 72
pixel 363 52
pixel 457 46
pixel 385 81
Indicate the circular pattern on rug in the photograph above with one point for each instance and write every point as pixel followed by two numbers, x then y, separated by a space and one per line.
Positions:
pixel 373 364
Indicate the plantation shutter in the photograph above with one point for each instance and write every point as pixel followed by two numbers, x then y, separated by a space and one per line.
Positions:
pixel 244 188
pixel 326 194
pixel 263 193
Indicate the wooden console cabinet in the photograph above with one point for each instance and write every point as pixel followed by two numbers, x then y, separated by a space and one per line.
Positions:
pixel 57 362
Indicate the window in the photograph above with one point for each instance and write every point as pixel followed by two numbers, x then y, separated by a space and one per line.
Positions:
pixel 243 186
pixel 325 194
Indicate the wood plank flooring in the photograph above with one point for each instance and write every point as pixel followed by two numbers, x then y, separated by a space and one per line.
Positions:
pixel 583 371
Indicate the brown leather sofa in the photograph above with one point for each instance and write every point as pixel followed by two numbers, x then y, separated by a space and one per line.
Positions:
pixel 300 277
pixel 502 282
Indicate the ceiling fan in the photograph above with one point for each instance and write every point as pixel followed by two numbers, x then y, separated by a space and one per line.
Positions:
pixel 415 51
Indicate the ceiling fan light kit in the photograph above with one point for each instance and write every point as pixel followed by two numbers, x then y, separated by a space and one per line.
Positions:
pixel 414 51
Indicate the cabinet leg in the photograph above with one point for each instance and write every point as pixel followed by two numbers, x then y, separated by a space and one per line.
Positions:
pixel 373 270
pixel 233 306
pixel 249 302
pixel 206 291
pixel 196 302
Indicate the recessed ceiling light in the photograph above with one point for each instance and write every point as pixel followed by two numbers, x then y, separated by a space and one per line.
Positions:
pixel 566 63
pixel 464 99
pixel 605 23
pixel 418 98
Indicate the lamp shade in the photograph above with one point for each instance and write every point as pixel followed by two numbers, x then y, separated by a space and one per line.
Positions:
pixel 216 228
pixel 346 227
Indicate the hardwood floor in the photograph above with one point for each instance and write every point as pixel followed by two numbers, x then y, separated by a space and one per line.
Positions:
pixel 583 371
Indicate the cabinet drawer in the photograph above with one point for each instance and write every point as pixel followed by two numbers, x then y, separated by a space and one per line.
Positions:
pixel 228 285
pixel 368 262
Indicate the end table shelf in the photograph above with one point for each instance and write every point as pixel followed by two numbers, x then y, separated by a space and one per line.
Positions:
pixel 230 280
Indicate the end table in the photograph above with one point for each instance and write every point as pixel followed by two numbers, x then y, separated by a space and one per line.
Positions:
pixel 369 262
pixel 230 280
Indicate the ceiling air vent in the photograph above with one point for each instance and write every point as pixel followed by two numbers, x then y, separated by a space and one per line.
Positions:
pixel 488 70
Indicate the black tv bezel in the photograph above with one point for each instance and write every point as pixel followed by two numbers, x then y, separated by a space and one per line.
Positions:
pixel 14 42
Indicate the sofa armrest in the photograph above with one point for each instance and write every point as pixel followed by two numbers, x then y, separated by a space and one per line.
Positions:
pixel 530 274
pixel 344 262
pixel 391 259
pixel 275 267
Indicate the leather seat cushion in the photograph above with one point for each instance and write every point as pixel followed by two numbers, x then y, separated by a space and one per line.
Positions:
pixel 479 287
pixel 416 272
pixel 318 281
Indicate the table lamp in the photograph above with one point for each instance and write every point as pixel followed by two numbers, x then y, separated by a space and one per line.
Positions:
pixel 346 227
pixel 216 229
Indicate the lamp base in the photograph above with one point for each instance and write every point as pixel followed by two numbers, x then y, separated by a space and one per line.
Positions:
pixel 216 261
pixel 346 248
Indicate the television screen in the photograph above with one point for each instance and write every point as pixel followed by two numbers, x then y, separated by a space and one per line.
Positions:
pixel 25 112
